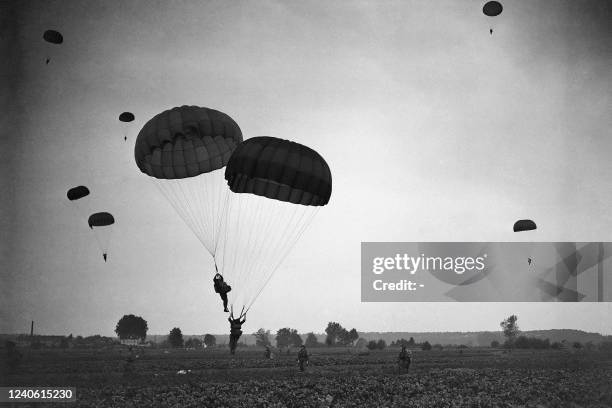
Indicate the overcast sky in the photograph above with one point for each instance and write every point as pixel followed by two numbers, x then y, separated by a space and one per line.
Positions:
pixel 434 130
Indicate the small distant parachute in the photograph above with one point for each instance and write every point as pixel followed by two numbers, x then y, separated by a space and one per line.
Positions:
pixel 76 193
pixel 492 9
pixel 101 224
pixel 52 37
pixel 524 225
pixel 126 118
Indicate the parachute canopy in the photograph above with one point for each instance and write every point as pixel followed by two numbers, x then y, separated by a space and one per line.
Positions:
pixel 524 225
pixel 53 37
pixel 281 170
pixel 186 141
pixel 126 117
pixel 492 8
pixel 76 193
pixel 101 219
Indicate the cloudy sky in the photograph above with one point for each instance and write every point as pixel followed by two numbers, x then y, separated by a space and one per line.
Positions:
pixel 434 130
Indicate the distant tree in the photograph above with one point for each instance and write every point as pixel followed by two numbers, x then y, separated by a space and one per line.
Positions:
pixel 311 340
pixel 426 346
pixel 262 338
pixel 336 334
pixel 495 344
pixel 286 337
pixel 333 331
pixel 193 342
pixel 410 342
pixel 372 345
pixel 361 343
pixel 175 338
pixel 577 345
pixel 381 344
pixel 510 329
pixel 296 339
pixel 556 345
pixel 353 336
pixel 437 347
pixel 210 340
pixel 131 327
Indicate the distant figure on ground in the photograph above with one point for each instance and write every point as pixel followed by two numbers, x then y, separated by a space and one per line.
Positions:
pixel 268 353
pixel 235 330
pixel 221 288
pixel 404 359
pixel 302 357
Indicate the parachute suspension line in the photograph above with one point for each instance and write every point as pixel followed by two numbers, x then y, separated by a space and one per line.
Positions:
pixel 169 193
pixel 198 200
pixel 270 259
pixel 285 251
pixel 221 221
pixel 291 243
pixel 255 235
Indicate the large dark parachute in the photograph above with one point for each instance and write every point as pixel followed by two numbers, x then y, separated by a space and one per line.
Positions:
pixel 185 142
pixel 281 170
pixel 184 150
pixel 126 117
pixel 524 225
pixel 492 8
pixel 53 37
pixel 277 187
pixel 76 193
pixel 101 219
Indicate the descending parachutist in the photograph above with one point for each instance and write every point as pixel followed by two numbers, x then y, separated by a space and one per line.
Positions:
pixel 104 256
pixel 491 31
pixel 235 330
pixel 222 288
pixel 47 62
pixel 529 261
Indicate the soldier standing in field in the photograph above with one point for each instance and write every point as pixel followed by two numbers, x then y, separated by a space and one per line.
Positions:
pixel 302 357
pixel 404 359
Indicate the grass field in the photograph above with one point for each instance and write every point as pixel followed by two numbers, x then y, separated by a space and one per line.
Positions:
pixel 335 378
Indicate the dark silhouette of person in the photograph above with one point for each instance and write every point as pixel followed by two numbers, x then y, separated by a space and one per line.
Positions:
pixel 302 357
pixel 235 330
pixel 403 360
pixel 104 256
pixel 222 288
pixel 529 261
pixel 491 31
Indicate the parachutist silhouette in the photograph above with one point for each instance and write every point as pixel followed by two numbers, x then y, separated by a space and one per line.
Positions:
pixel 104 256
pixel 529 261
pixel 47 62
pixel 221 287
pixel 125 138
pixel 235 330
pixel 491 31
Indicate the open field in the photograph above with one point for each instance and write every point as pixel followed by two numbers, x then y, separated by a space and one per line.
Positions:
pixel 335 377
